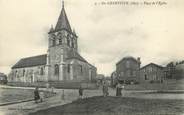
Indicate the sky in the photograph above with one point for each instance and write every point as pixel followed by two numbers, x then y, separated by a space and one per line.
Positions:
pixel 107 33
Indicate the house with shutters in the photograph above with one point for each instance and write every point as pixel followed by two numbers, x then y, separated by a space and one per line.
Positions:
pixel 152 73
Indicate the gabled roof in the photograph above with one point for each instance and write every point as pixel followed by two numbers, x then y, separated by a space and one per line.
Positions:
pixel 153 65
pixel 63 22
pixel 76 55
pixel 127 58
pixel 31 61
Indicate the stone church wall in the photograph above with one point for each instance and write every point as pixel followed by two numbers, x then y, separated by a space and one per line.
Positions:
pixel 28 74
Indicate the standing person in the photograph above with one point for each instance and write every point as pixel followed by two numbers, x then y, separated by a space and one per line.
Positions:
pixel 105 89
pixel 118 90
pixel 122 88
pixel 41 96
pixel 80 92
pixel 36 95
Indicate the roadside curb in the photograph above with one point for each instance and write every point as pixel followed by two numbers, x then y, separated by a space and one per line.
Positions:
pixel 15 102
pixel 51 106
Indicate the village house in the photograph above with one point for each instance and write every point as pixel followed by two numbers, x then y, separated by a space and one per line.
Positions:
pixel 62 62
pixel 179 71
pixel 127 70
pixel 152 73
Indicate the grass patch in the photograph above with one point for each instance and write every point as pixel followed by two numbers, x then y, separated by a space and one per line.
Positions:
pixel 11 95
pixel 117 106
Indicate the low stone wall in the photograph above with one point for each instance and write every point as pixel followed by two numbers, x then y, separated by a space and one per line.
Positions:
pixel 60 85
pixel 156 86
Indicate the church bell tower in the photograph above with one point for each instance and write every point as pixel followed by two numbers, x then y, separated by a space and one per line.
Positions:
pixel 61 41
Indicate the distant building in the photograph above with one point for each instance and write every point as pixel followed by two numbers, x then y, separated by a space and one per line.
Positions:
pixel 100 78
pixel 152 73
pixel 170 70
pixel 62 62
pixel 179 71
pixel 3 78
pixel 127 70
pixel 108 80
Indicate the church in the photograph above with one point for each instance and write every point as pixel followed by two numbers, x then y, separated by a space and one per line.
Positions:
pixel 62 62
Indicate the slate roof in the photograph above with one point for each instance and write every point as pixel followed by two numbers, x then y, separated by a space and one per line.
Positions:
pixel 42 60
pixel 76 55
pixel 63 22
pixel 31 61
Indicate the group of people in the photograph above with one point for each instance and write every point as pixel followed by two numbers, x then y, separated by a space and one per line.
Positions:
pixel 39 96
pixel 119 88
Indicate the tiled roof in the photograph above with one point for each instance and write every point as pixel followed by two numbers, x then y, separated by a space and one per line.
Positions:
pixel 31 61
pixel 153 65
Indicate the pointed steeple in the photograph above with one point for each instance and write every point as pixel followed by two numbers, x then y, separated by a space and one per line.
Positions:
pixel 74 31
pixel 51 29
pixel 63 22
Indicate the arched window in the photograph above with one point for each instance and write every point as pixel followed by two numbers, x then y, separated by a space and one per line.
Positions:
pixel 41 71
pixel 72 43
pixel 56 69
pixel 60 38
pixel 68 40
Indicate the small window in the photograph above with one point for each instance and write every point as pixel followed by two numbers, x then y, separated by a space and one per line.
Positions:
pixel 23 72
pixel 145 77
pixel 72 43
pixel 128 64
pixel 81 69
pixel 150 69
pixel 154 77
